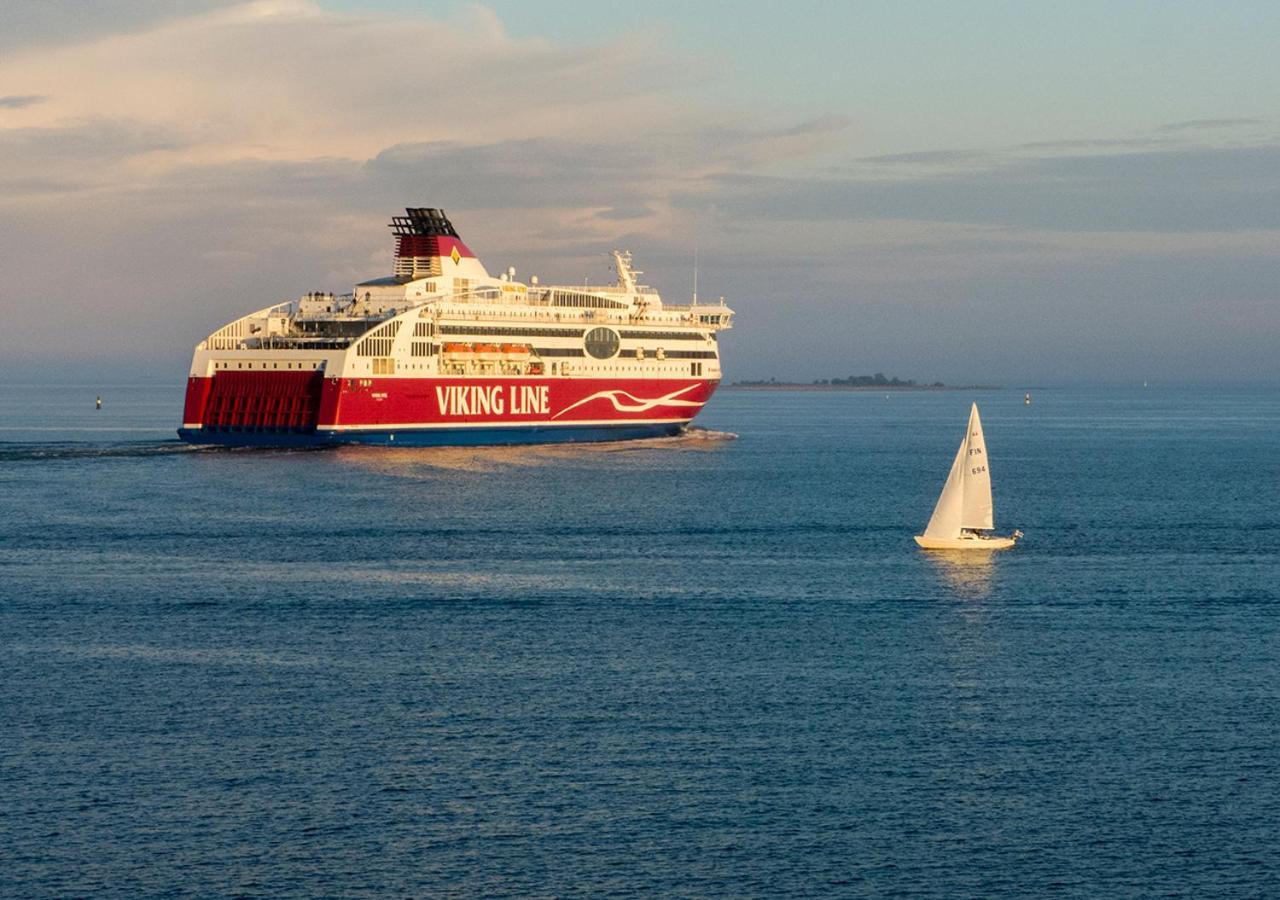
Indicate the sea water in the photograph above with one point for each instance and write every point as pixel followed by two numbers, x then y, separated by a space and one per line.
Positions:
pixel 707 665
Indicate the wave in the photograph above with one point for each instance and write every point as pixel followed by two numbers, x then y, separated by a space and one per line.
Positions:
pixel 695 433
pixel 58 450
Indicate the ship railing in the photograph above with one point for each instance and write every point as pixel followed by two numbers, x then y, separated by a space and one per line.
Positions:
pixel 698 307
pixel 490 294
pixel 233 335
pixel 282 342
pixel 342 304
pixel 567 315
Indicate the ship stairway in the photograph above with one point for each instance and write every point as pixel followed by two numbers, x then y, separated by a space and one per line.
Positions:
pixel 265 402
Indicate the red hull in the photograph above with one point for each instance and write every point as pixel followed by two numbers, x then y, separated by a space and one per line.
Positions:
pixel 307 402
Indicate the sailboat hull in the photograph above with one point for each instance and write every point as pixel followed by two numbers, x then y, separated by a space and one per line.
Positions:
pixel 965 543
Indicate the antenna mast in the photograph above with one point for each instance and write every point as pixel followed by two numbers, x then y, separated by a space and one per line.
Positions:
pixel 695 274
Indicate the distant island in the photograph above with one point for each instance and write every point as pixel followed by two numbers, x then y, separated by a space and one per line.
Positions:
pixel 876 382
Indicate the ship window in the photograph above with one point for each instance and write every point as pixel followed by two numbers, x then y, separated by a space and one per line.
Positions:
pixel 601 343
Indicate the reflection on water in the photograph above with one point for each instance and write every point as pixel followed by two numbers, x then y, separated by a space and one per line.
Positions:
pixel 411 460
pixel 967 572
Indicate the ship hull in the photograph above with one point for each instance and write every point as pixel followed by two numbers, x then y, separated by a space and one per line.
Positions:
pixel 279 409
pixel 443 437
pixel 966 543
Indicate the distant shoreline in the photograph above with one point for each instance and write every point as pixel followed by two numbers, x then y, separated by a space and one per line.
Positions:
pixel 870 388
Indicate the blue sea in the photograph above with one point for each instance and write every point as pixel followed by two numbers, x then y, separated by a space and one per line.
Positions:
pixel 711 665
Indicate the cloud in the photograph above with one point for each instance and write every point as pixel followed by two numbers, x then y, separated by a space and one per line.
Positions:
pixel 624 213
pixel 38 23
pixel 1136 143
pixel 1209 124
pixel 46 164
pixel 1190 189
pixel 21 101
pixel 827 124
pixel 288 80
pixel 524 173
pixel 930 157
pixel 104 141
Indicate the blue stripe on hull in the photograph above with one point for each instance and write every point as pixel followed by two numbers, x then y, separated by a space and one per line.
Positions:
pixel 245 438
pixel 435 437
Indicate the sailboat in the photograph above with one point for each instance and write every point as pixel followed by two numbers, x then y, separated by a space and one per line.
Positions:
pixel 962 520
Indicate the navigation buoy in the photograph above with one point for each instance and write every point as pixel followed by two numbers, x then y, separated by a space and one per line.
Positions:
pixel 97 403
pixel 1026 400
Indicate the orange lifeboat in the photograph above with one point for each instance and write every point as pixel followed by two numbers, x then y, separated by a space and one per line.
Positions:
pixel 457 348
pixel 517 350
pixel 488 351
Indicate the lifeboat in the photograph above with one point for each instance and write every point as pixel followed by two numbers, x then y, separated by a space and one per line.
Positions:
pixel 519 351
pixel 488 351
pixel 456 349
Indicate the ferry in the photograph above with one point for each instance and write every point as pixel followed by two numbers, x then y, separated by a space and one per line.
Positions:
pixel 443 353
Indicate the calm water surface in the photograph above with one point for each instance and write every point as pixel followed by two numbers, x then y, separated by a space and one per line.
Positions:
pixel 696 666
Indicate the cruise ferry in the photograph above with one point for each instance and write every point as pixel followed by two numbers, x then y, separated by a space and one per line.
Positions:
pixel 443 353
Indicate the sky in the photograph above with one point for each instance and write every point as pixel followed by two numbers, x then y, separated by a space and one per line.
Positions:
pixel 989 192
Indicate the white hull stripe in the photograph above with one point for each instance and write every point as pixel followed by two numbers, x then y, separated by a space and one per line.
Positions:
pixel 470 426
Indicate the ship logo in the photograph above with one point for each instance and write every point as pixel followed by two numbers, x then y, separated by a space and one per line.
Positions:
pixel 636 404
pixel 455 256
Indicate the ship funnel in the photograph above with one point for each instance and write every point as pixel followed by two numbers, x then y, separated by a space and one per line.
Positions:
pixel 425 242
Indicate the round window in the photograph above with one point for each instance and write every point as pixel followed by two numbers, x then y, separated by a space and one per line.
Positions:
pixel 602 343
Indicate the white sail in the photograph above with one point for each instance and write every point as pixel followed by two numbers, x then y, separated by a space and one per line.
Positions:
pixel 977 510
pixel 965 502
pixel 949 511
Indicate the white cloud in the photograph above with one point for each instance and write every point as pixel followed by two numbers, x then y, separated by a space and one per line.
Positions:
pixel 285 80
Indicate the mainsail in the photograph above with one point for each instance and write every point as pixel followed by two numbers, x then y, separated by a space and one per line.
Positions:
pixel 965 501
pixel 977 479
